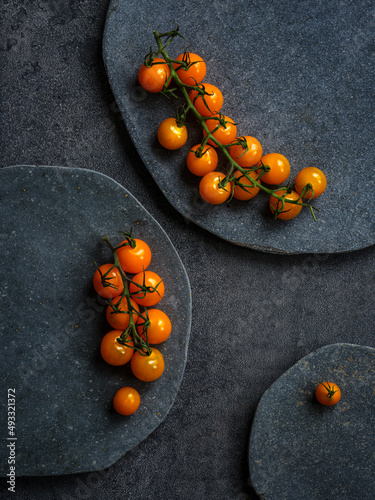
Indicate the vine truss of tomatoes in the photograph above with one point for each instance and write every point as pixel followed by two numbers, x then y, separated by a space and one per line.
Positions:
pixel 248 169
pixel 136 323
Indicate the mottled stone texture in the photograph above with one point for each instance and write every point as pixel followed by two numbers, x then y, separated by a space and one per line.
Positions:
pixel 301 450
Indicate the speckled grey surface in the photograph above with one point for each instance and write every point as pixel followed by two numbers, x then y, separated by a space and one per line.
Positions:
pixel 255 314
pixel 301 450
pixel 296 75
pixel 53 220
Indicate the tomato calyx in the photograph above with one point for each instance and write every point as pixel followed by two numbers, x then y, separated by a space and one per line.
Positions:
pixel 125 338
pixel 307 192
pixel 169 37
pixel 328 393
pixel 237 180
pixel 198 100
pixel 241 141
pixel 181 116
pixel 283 199
pixel 201 92
pixel 263 169
pixel 221 119
pixel 145 325
pixel 199 152
pixel 185 63
pixel 128 235
pixel 105 278
pixel 144 289
pixel 330 389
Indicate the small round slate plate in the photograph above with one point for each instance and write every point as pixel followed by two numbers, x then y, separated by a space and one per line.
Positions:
pixel 52 321
pixel 296 75
pixel 301 450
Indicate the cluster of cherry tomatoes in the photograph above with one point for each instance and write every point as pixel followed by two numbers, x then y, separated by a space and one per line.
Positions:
pixel 250 170
pixel 131 314
pixel 328 393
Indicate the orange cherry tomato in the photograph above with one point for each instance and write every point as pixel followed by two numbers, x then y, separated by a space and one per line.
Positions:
pixel 170 135
pixel 210 103
pixel 147 367
pixel 279 168
pixel 153 78
pixel 249 157
pixel 224 134
pixel 126 401
pixel 290 210
pixel 113 352
pixel 159 328
pixel 247 191
pixel 135 259
pixel 203 164
pixel 328 394
pixel 314 179
pixel 194 73
pixel 211 191
pixel 120 320
pixel 107 281
pixel 154 292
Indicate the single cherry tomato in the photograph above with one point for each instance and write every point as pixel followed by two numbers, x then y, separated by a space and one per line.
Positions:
pixel 134 259
pixel 313 179
pixel 170 135
pixel 107 281
pixel 113 352
pixel 194 73
pixel 290 210
pixel 147 367
pixel 120 320
pixel 247 190
pixel 223 129
pixel 201 165
pixel 153 78
pixel 152 294
pixel 279 168
pixel 126 401
pixel 159 328
pixel 210 103
pixel 210 189
pixel 328 394
pixel 249 155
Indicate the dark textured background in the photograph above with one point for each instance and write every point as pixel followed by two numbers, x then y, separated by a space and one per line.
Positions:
pixel 254 314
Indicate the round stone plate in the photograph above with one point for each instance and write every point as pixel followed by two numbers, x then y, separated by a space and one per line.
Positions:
pixel 301 450
pixel 296 75
pixel 52 321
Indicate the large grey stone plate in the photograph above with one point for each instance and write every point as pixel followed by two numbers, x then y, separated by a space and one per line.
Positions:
pixel 296 75
pixel 301 450
pixel 52 219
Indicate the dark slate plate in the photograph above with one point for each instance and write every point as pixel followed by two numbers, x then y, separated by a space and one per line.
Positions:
pixel 52 321
pixel 296 75
pixel 301 450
